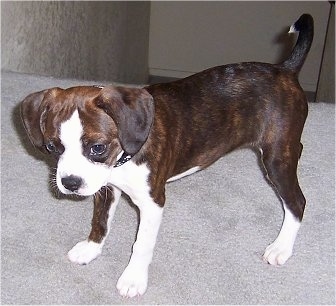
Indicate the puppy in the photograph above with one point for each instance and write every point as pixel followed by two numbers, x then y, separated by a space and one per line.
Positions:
pixel 109 140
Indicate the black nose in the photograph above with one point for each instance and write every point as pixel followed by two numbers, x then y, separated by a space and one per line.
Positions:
pixel 72 182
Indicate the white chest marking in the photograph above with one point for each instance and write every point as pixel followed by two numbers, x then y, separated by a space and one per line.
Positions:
pixel 131 179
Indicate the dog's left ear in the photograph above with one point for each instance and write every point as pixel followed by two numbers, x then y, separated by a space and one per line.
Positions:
pixel 132 110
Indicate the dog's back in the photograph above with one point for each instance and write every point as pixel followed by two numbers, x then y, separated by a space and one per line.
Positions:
pixel 234 105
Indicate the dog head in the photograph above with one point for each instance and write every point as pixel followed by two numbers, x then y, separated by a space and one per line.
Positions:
pixel 86 129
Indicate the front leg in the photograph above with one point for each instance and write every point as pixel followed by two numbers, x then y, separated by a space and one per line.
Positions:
pixel 105 204
pixel 134 279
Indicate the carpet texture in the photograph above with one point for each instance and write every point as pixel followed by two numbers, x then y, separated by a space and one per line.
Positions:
pixel 216 226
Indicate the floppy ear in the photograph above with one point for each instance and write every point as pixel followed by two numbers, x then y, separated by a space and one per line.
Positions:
pixel 132 110
pixel 33 115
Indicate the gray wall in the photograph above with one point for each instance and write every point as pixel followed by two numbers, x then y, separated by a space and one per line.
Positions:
pixel 85 40
pixel 188 36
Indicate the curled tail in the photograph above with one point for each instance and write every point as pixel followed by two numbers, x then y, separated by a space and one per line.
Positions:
pixel 304 25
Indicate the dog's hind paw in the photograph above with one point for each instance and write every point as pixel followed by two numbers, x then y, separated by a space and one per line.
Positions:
pixel 84 252
pixel 133 282
pixel 277 254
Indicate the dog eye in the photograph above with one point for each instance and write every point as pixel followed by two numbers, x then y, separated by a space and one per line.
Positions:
pixel 51 147
pixel 98 149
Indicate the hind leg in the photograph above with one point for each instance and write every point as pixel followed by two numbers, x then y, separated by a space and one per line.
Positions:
pixel 280 162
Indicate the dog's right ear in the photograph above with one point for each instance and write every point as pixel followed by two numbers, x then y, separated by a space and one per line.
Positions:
pixel 33 114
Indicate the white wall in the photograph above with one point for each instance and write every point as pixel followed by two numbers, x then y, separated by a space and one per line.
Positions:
pixel 187 37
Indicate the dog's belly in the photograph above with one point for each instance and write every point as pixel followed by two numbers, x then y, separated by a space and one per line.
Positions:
pixel 183 174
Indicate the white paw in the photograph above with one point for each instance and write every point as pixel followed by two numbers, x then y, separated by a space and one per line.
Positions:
pixel 84 252
pixel 133 282
pixel 277 253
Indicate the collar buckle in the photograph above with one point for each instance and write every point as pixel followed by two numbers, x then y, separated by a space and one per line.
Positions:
pixel 98 86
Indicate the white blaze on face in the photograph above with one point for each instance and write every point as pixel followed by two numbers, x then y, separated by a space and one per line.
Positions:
pixel 73 162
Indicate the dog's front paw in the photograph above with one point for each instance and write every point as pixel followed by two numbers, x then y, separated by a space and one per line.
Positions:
pixel 133 282
pixel 84 252
pixel 277 253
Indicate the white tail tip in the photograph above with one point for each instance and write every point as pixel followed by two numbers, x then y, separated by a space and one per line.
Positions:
pixel 292 29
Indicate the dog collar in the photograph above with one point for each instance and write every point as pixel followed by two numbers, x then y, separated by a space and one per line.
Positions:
pixel 123 159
